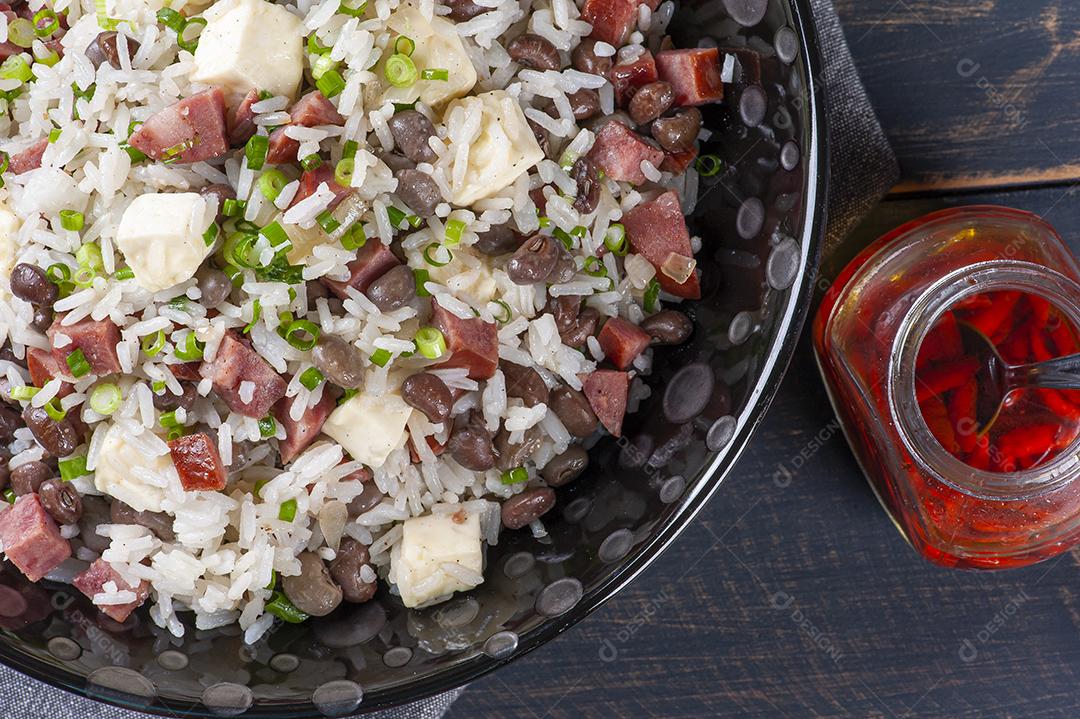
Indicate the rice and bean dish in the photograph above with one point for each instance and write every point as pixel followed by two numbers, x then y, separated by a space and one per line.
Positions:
pixel 303 301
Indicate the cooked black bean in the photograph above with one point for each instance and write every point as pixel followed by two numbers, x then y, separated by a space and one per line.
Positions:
pixel 651 101
pixel 160 523
pixel 470 442
pixel 352 557
pixel 220 192
pixel 462 10
pixel 525 383
pixel 10 420
pixel 514 455
pixel 411 131
pixel 534 51
pixel 393 290
pixel 313 591
pixel 530 505
pixel 668 327
pixel 584 327
pixel 429 394
pixel 95 511
pixel 104 49
pixel 584 103
pixel 43 319
pixel 30 283
pixel 166 401
pixel 688 392
pixel 417 190
pixel 499 240
pixel 679 132
pixel 59 438
pixel 368 499
pixel 585 59
pixel 5 471
pixel 28 477
pixel 543 137
pixel 339 361
pixel 587 176
pixel 533 261
pixel 61 500
pixel 214 285
pixel 573 410
pixel 566 467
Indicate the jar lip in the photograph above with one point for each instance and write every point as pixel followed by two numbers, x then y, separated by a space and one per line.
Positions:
pixel 915 434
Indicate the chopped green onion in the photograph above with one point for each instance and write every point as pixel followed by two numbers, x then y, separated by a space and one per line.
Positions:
pixel 54 135
pixel 322 65
pixel 594 267
pixel 564 237
pixel 21 32
pixel 435 73
pixel 24 393
pixel 48 58
pixel 517 475
pixel 287 513
pixel 506 314
pixel 255 151
pixel 652 293
pixel 294 334
pixel 16 68
pixel 421 276
pixel 352 11
pixel 280 606
pixel 54 410
pixel 168 420
pixel 124 273
pixel 396 217
pixel 327 221
pixel 210 236
pixel 615 239
pixel 258 486
pixel 256 313
pixel 400 70
pixel 331 83
pixel 311 378
pixel 315 47
pixel 84 277
pixel 238 250
pixel 58 273
pixel 708 165
pixel 249 227
pixel 135 155
pixel 76 362
pixel 232 207
pixel 170 19
pixel 89 254
pixel 192 350
pixel 544 221
pixel 157 386
pixel 348 150
pixel 172 154
pixel 152 344
pixel 106 398
pixel 175 433
pixel 180 303
pixel 429 255
pixel 9 496
pixel 567 160
pixel 46 22
pixel 355 238
pixel 380 357
pixel 73 468
pixel 74 221
pixel 271 183
pixel 454 228
pixel 430 342
pixel 5 161
pixel 347 395
pixel 404 45
pixel 267 427
pixel 188 42
pixel 311 162
pixel 343 171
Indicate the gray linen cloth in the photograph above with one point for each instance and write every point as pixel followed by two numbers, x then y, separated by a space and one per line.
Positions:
pixel 862 169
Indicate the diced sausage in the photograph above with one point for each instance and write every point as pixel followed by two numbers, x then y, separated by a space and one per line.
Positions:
pixel 311 179
pixel 241 126
pixel 677 162
pixel 198 463
pixel 30 538
pixel 373 260
pixel 44 367
pixel 472 343
pixel 314 109
pixel 628 77
pixel 93 580
pixel 236 363
pixel 7 49
pixel 606 390
pixel 300 433
pixel 186 370
pixel 281 148
pixel 611 20
pixel 618 151
pixel 437 448
pixel 693 73
pixel 28 159
pixel 96 338
pixel 191 130
pixel 656 229
pixel 622 341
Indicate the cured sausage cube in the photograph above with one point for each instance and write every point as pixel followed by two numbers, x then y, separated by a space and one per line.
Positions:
pixel 618 151
pixel 198 463
pixel 472 343
pixel 606 390
pixel 656 230
pixel 694 74
pixel 300 433
pixel 310 181
pixel 373 260
pixel 611 20
pixel 191 130
pixel 242 125
pixel 622 341
pixel 28 159
pixel 628 77
pixel 236 363
pixel 96 338
pixel 30 538
pixel 92 582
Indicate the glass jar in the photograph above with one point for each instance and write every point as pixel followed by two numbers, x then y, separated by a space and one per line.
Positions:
pixel 867 337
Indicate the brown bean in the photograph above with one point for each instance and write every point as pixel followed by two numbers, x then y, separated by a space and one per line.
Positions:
pixel 525 383
pixel 30 284
pixel 429 394
pixel 668 327
pixel 543 137
pixel 215 286
pixel 566 467
pixel 28 477
pixel 679 132
pixel 530 505
pixel 166 401
pixel 397 162
pixel 651 101
pixel 220 192
pixel 43 319
pixel 316 291
pixel 104 49
pixel 417 190
pixel 462 10
pixel 160 523
pixel 5 471
pixel 533 261
pixel 534 51
pixel 514 455
pixel 345 569
pixel 61 500
pixel 59 438
pixel 564 309
pixel 584 103
pixel 470 442
pixel 411 131
pixel 368 499
pixel 573 410
pixel 393 290
pixel 583 328
pixel 585 59
pixel 339 361
pixel 587 177
pixel 313 591
pixel 498 240
pixel 10 421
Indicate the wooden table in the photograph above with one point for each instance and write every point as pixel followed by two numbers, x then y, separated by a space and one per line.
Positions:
pixel 798 598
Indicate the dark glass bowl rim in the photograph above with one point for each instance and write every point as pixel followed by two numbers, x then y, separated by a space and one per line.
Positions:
pixel 700 488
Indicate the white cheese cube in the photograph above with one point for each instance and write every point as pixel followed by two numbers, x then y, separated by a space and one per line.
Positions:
pixel 469 274
pixel 369 427
pixel 504 150
pixel 250 45
pixel 161 236
pixel 9 228
pixel 429 542
pixel 122 471
pixel 438 46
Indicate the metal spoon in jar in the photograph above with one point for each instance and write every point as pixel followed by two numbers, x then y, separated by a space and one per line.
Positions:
pixel 996 378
